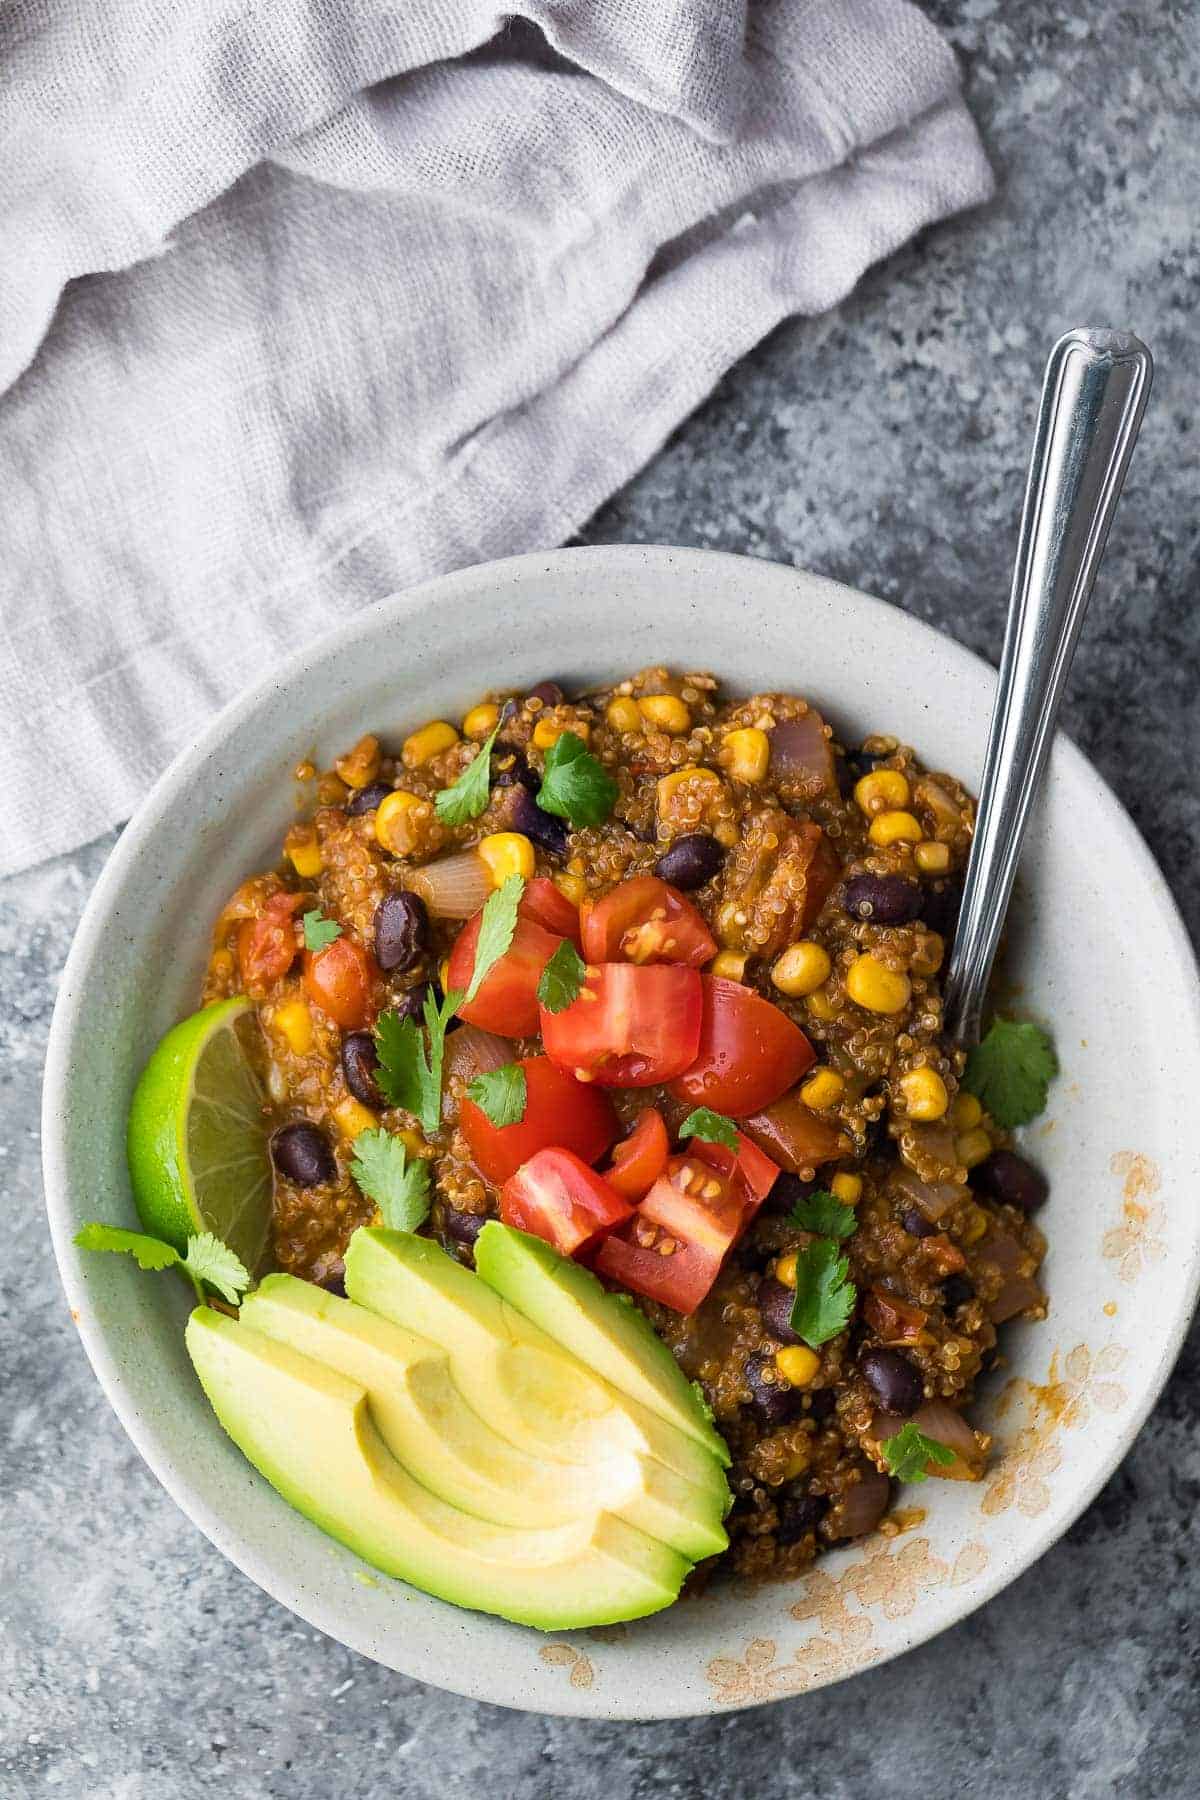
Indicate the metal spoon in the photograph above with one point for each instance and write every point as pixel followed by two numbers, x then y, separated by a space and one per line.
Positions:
pixel 1093 398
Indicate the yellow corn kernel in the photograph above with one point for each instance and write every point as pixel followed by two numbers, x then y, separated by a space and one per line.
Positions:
pixel 573 886
pixel 931 858
pixel 303 851
pixel 394 821
pixel 797 1364
pixel 480 721
pixel 747 754
pixel 665 713
pixel 412 1140
pixel 666 786
pixel 221 963
pixel 801 968
pixel 895 828
pixel 360 765
pixel 352 1117
pixel 820 1005
pixel 728 963
pixel 444 974
pixel 294 1021
pixel 427 742
pixel 847 1188
pixel 506 853
pixel 925 1096
pixel 882 790
pixel 966 1112
pixel 975 1225
pixel 972 1147
pixel 797 1463
pixel 785 1270
pixel 877 988
pixel 622 714
pixel 823 1088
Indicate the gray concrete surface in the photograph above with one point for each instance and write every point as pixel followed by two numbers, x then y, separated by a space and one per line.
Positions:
pixel 884 444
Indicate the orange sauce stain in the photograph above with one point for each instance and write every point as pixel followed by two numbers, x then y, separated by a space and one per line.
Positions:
pixel 1110 1309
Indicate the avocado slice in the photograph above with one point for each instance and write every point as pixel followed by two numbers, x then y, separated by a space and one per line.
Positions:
pixel 413 1282
pixel 309 1431
pixel 605 1331
pixel 442 1435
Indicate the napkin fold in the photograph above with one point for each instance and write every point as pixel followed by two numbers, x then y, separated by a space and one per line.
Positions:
pixel 303 302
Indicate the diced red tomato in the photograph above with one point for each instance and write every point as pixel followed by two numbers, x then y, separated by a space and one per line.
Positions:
pixel 750 1052
pixel 640 1158
pixel 559 1110
pixel 755 1170
pixel 557 1197
pixel 341 979
pixel 629 1026
pixel 548 907
pixel 644 920
pixel 798 1138
pixel 507 1000
pixel 673 1250
pixel 267 946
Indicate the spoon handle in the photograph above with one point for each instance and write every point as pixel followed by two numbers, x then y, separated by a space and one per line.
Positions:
pixel 1093 398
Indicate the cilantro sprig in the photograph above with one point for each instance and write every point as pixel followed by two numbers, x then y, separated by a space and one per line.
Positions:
pixel 710 1127
pixel 575 786
pixel 468 796
pixel 908 1453
pixel 497 924
pixel 399 1188
pixel 206 1259
pixel 501 1094
pixel 824 1214
pixel 1011 1070
pixel 825 1295
pixel 319 932
pixel 562 978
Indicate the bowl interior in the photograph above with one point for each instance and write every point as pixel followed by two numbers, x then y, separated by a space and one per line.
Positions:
pixel 1122 1268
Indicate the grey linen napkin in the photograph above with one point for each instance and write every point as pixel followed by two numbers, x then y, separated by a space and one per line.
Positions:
pixel 370 293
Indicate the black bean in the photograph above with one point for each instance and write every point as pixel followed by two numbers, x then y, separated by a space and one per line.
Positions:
pixel 775 1304
pixel 956 1291
pixel 1009 1178
pixel 366 799
pixel 822 1403
pixel 360 1059
pixel 690 861
pixel 401 931
pixel 548 692
pixel 798 1515
pixel 463 1227
pixel 787 1189
pixel 302 1154
pixel 893 1381
pixel 411 1005
pixel 522 813
pixel 916 1224
pixel 772 1400
pixel 334 1279
pixel 940 905
pixel 510 768
pixel 883 899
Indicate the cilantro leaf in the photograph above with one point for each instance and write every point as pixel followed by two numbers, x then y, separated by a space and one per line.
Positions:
pixel 319 931
pixel 409 1074
pixel 574 785
pixel 825 1295
pixel 910 1450
pixel 823 1213
pixel 1010 1071
pixel 436 1020
pixel 399 1188
pixel 561 978
pixel 497 923
pixel 147 1252
pixel 500 1094
pixel 468 796
pixel 208 1259
pixel 711 1127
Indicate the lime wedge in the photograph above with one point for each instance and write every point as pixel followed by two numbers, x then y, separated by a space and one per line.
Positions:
pixel 198 1130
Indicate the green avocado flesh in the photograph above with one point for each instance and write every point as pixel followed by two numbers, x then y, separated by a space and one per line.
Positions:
pixel 309 1430
pixel 605 1332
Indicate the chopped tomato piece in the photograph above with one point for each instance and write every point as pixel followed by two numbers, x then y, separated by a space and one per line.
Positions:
pixel 798 1138
pixel 340 979
pixel 267 945
pixel 557 1197
pixel 548 907
pixel 755 1171
pixel 750 1052
pixel 558 1111
pixel 640 1158
pixel 629 1026
pixel 893 1320
pixel 673 1250
pixel 946 1256
pixel 644 920
pixel 507 1001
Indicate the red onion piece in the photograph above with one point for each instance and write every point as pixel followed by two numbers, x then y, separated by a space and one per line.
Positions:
pixel 801 757
pixel 931 1198
pixel 1018 1292
pixel 938 1420
pixel 471 1052
pixel 453 887
pixel 861 1507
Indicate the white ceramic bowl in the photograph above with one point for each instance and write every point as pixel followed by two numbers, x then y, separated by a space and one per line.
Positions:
pixel 1099 951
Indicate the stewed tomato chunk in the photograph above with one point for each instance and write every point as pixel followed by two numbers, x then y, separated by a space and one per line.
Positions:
pixel 341 979
pixel 629 1026
pixel 673 1249
pixel 507 1001
pixel 645 920
pixel 557 1197
pixel 749 1054
pixel 639 1159
pixel 266 946
pixel 546 906
pixel 559 1110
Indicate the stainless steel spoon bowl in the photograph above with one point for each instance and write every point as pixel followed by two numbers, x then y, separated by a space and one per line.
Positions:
pixel 1093 399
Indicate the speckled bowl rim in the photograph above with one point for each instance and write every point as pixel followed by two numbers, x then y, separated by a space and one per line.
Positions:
pixel 671 564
